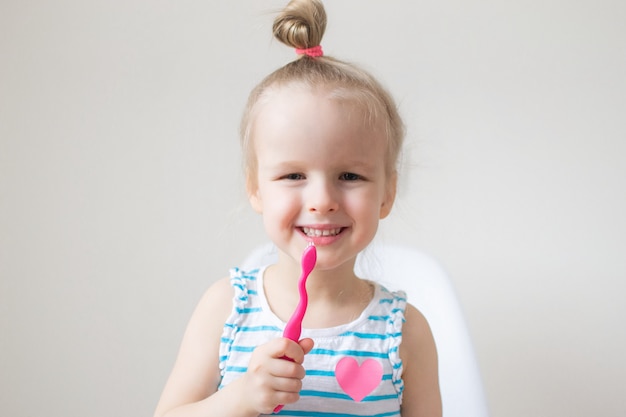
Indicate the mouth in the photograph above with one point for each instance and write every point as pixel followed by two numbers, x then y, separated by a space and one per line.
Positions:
pixel 313 232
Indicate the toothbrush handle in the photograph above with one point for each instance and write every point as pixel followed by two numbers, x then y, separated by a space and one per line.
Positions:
pixel 292 331
pixel 293 328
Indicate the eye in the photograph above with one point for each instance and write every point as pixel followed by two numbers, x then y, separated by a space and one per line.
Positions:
pixel 350 176
pixel 294 176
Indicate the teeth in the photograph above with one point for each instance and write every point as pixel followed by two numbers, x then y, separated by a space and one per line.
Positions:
pixel 320 232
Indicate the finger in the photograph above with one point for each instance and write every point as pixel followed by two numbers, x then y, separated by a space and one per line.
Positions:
pixel 292 350
pixel 286 369
pixel 287 385
pixel 306 345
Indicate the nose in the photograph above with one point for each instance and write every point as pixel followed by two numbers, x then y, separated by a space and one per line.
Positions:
pixel 322 197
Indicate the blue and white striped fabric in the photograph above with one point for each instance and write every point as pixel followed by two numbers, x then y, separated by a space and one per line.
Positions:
pixel 375 335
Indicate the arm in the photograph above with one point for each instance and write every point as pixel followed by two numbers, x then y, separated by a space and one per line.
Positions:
pixel 421 397
pixel 191 389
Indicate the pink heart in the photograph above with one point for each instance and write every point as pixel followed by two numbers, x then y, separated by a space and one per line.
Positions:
pixel 358 381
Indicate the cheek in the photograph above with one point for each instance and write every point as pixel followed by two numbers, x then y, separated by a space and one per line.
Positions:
pixel 361 205
pixel 278 202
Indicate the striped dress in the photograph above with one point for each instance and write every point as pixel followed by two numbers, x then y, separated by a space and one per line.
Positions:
pixel 353 370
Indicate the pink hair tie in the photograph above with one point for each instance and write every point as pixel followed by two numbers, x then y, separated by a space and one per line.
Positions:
pixel 313 52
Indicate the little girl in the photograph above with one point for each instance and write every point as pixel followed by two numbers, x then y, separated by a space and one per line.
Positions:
pixel 321 140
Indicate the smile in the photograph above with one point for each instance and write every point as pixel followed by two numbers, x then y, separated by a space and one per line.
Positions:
pixel 311 232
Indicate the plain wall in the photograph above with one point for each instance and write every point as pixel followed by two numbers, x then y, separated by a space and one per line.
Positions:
pixel 121 196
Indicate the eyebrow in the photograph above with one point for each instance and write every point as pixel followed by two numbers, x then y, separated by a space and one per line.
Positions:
pixel 361 167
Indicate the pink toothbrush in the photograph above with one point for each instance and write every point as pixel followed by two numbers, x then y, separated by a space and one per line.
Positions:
pixel 294 325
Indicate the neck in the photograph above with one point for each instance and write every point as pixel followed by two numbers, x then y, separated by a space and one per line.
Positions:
pixel 336 295
pixel 322 284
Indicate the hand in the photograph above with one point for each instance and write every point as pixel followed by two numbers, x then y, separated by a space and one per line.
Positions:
pixel 270 379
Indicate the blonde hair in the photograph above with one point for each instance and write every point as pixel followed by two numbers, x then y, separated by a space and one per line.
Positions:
pixel 301 25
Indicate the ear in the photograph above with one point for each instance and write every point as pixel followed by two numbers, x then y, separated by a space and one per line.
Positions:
pixel 390 195
pixel 254 196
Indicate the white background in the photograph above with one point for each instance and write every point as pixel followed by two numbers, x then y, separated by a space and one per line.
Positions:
pixel 121 193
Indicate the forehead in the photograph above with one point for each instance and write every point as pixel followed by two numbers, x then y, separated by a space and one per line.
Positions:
pixel 317 111
pixel 355 101
pixel 305 122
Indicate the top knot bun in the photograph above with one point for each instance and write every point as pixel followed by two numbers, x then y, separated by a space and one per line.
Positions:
pixel 301 24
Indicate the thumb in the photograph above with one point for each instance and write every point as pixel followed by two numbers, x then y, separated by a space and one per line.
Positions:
pixel 306 344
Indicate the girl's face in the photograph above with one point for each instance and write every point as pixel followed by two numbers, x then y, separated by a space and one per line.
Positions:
pixel 321 175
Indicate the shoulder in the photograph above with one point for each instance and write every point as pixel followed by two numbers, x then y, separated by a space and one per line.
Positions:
pixel 420 366
pixel 223 290
pixel 221 287
pixel 416 335
pixel 211 313
pixel 217 299
pixel 415 320
pixel 226 293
